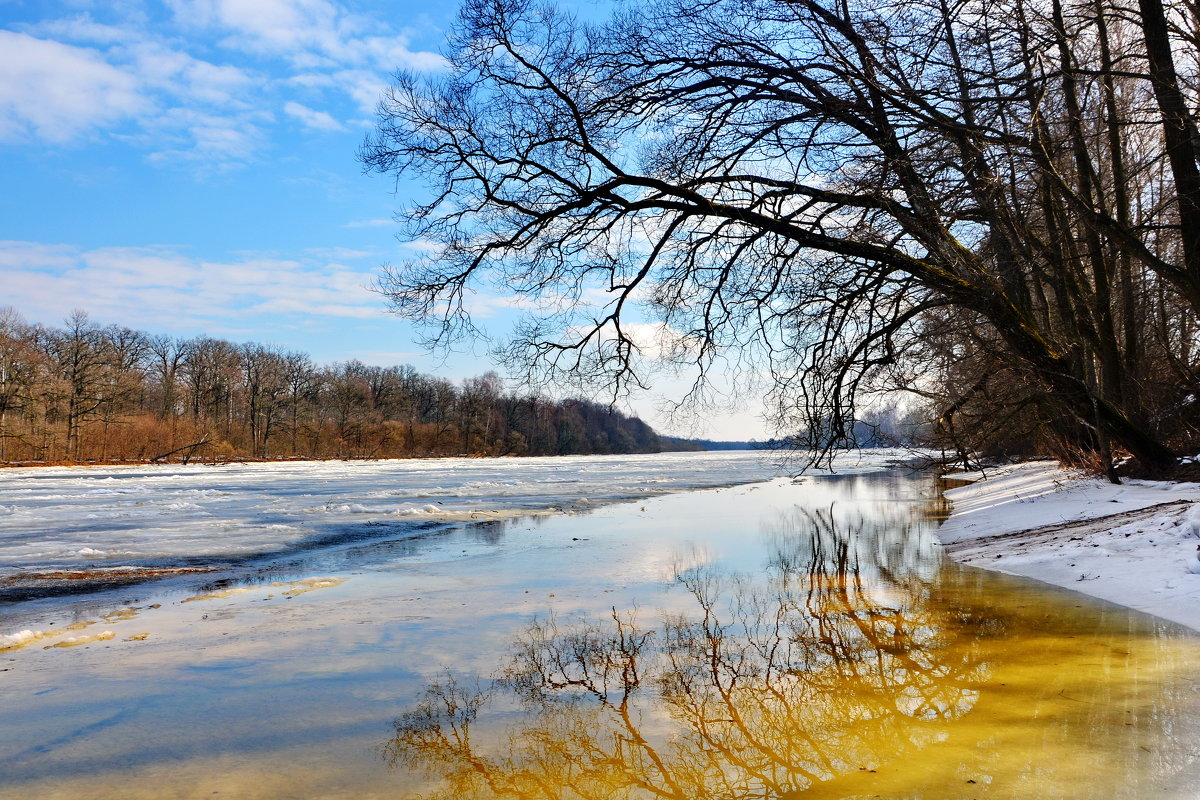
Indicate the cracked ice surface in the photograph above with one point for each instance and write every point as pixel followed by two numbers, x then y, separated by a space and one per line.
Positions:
pixel 100 517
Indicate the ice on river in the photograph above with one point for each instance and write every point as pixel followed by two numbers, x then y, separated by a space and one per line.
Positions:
pixel 99 517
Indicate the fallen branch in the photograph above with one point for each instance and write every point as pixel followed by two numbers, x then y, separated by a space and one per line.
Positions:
pixel 189 447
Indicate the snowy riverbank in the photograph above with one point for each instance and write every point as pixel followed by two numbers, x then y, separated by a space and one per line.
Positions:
pixel 1134 544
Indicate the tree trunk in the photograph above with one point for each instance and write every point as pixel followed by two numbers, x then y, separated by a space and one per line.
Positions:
pixel 1181 139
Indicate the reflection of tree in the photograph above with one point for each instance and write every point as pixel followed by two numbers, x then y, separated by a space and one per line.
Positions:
pixel 808 678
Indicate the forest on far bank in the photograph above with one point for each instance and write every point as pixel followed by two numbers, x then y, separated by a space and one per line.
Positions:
pixel 87 392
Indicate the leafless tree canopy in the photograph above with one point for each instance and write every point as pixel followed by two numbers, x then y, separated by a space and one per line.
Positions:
pixel 992 204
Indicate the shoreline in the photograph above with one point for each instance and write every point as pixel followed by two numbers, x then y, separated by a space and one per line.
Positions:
pixel 233 460
pixel 1136 544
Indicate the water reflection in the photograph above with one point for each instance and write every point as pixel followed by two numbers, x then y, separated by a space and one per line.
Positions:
pixel 852 665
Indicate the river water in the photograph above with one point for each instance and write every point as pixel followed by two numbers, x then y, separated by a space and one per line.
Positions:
pixel 71 530
pixel 779 639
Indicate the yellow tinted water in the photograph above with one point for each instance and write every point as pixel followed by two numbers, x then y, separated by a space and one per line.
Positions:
pixel 762 642
pixel 824 676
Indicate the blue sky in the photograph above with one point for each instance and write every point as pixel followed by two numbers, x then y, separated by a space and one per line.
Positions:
pixel 188 167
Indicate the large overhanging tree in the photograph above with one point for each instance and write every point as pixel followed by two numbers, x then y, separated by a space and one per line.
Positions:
pixel 827 185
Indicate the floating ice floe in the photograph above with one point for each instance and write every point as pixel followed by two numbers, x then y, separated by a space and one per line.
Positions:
pixel 76 641
pixel 19 639
pixel 293 588
pixel 415 510
pixel 349 508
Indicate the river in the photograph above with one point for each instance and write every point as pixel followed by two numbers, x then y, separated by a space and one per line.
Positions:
pixel 771 639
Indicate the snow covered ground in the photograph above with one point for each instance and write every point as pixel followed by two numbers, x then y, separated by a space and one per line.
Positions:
pixel 1136 544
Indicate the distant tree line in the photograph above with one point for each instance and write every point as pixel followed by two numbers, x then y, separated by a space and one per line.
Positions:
pixel 696 445
pixel 86 392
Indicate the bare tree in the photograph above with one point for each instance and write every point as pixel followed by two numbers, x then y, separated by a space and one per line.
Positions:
pixel 302 380
pixel 122 380
pixel 265 382
pixel 810 183
pixel 167 355
pixel 746 690
pixel 211 370
pixel 18 368
pixel 79 357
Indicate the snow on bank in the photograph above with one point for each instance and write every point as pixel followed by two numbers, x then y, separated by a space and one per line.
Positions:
pixel 1134 544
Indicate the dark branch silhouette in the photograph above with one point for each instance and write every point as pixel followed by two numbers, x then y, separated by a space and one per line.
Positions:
pixel 851 198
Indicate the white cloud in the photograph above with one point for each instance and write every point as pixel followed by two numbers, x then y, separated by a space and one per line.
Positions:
pixel 274 26
pixel 112 69
pixel 307 32
pixel 194 136
pixel 328 46
pixel 363 86
pixel 147 92
pixel 188 78
pixel 390 52
pixel 312 118
pixel 158 287
pixel 312 80
pixel 656 341
pixel 82 28
pixel 58 91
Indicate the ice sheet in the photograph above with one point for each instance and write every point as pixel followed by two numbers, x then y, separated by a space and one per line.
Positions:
pixel 55 518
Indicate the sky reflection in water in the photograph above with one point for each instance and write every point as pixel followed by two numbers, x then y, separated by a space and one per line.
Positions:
pixel 853 664
pixel 770 641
